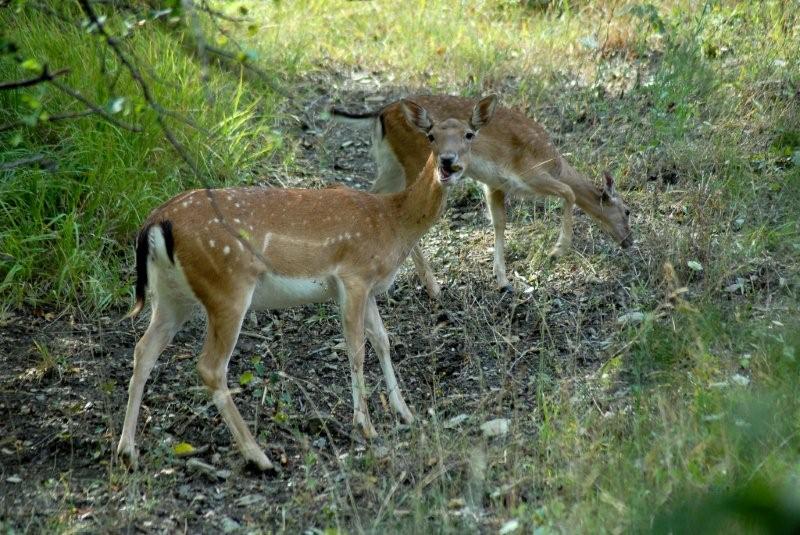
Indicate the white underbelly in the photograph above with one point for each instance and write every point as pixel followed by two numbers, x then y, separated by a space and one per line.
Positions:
pixel 277 291
pixel 497 177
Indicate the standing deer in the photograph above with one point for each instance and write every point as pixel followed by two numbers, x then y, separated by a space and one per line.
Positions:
pixel 513 155
pixel 237 249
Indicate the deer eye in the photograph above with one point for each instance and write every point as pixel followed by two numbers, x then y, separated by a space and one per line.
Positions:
pixel 469 135
pixel 430 138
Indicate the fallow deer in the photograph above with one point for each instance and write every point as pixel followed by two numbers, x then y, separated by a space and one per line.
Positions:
pixel 236 249
pixel 513 155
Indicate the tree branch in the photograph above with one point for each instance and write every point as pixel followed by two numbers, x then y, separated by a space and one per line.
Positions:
pixel 179 148
pixel 95 108
pixel 41 159
pixel 45 76
pixel 219 14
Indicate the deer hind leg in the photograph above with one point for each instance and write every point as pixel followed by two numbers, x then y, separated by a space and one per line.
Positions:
pixel 165 321
pixel 224 323
pixel 425 272
pixel 353 301
pixel 380 343
pixel 496 200
pixel 545 184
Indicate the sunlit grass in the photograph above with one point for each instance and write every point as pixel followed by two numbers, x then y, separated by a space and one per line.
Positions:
pixel 66 234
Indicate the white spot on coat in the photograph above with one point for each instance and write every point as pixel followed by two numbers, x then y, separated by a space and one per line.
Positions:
pixel 226 250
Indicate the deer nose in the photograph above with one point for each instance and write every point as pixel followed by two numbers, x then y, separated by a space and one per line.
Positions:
pixel 447 161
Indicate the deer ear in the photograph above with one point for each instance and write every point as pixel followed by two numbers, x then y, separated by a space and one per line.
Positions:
pixel 609 188
pixel 482 112
pixel 416 115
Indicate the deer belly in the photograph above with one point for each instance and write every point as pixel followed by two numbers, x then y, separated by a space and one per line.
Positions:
pixel 496 176
pixel 277 291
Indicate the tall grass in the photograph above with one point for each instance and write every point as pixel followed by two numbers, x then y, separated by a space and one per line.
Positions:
pixel 66 232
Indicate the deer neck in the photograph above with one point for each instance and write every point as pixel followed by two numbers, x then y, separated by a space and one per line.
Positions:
pixel 587 196
pixel 419 205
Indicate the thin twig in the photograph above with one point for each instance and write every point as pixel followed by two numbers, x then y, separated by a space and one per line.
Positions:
pixel 51 119
pixel 94 107
pixel 45 76
pixel 219 14
pixel 36 158
pixel 261 74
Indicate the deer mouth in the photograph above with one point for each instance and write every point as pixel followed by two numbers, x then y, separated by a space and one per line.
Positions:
pixel 449 172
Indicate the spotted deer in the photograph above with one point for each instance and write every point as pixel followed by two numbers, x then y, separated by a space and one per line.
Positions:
pixel 232 250
pixel 511 156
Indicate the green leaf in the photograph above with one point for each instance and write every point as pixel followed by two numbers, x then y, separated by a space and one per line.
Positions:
pixel 32 102
pixel 281 417
pixel 695 265
pixel 246 378
pixel 31 64
pixel 183 449
pixel 116 105
pixel 16 140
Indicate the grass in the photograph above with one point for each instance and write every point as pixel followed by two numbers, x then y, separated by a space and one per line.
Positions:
pixel 67 233
pixel 691 420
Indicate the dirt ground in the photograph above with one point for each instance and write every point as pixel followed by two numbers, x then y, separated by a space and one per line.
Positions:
pixel 63 386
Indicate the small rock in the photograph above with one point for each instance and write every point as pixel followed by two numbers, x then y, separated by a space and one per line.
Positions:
pixel 631 317
pixel 197 465
pixel 223 474
pixel 495 428
pixel 229 525
pixel 509 527
pixel 741 380
pixel 455 421
pixel 736 286
pixel 249 499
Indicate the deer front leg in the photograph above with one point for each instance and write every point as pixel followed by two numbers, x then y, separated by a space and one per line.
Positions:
pixel 496 200
pixel 353 302
pixel 544 184
pixel 380 343
pixel 564 241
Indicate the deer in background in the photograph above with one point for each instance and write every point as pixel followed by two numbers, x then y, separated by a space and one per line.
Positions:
pixel 511 156
pixel 264 248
